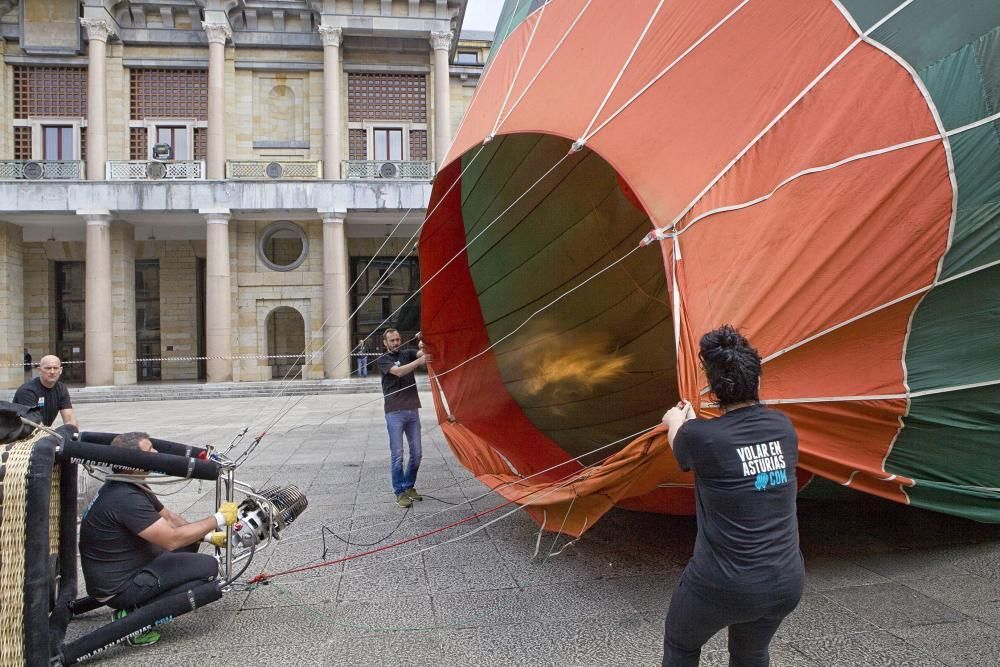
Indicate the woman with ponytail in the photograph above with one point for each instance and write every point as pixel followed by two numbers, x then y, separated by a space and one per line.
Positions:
pixel 746 572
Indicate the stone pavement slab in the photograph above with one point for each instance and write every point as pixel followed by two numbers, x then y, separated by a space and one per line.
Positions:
pixel 886 584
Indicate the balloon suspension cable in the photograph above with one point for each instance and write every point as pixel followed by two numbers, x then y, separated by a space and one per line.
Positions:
pixel 540 493
pixel 536 495
pixel 238 438
pixel 285 409
pixel 486 350
pixel 657 235
pixel 43 427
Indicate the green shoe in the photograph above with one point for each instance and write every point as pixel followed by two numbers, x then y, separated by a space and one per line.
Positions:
pixel 145 639
pixel 412 494
pixel 404 500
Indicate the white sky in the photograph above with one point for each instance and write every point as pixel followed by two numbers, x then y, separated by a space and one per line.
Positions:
pixel 482 14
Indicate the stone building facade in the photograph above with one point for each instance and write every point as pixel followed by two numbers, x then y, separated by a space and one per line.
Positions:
pixel 208 189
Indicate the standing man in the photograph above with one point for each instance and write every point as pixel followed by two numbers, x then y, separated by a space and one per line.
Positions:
pixel 47 393
pixel 27 365
pixel 399 388
pixel 361 352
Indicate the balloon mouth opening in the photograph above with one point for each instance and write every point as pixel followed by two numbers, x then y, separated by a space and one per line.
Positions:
pixel 578 314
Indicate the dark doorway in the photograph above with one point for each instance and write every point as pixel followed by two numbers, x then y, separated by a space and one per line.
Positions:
pixel 147 320
pixel 200 310
pixel 286 342
pixel 70 319
pixel 384 291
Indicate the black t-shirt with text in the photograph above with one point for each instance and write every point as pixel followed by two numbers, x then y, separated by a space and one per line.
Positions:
pixel 400 392
pixel 111 551
pixel 745 491
pixel 50 401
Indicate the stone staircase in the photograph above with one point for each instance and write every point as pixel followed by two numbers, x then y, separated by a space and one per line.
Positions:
pixel 162 391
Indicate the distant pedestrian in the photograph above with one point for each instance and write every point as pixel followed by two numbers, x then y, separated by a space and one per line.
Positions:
pixel 361 354
pixel 27 364
pixel 746 572
pixel 402 405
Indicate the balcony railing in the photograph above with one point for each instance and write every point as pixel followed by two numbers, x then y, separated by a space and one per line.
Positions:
pixel 274 169
pixel 39 170
pixel 155 170
pixel 388 169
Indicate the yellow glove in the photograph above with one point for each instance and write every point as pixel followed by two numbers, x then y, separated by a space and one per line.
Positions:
pixel 216 538
pixel 226 516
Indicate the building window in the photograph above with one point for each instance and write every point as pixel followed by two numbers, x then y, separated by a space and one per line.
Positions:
pixel 58 142
pixel 395 283
pixel 169 93
pixel 378 102
pixel 50 92
pixel 22 143
pixel 176 138
pixel 138 144
pixel 387 143
pixel 467 58
pixel 387 97
pixel 358 144
pixel 418 144
pixel 283 246
pixel 200 143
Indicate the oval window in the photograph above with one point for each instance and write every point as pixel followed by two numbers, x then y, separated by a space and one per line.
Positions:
pixel 282 246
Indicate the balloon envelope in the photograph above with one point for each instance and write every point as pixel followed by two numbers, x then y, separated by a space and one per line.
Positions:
pixel 824 176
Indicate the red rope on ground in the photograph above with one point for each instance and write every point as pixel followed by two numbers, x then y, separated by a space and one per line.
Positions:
pixel 264 576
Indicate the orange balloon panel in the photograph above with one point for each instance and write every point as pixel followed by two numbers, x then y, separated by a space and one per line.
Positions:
pixel 801 192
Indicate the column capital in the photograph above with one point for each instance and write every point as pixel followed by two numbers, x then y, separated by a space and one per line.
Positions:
pixel 218 33
pixel 331 35
pixel 96 216
pixel 97 29
pixel 441 41
pixel 333 217
pixel 216 216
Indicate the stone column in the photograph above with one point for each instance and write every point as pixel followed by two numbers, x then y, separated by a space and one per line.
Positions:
pixel 98 341
pixel 218 298
pixel 98 31
pixel 331 101
pixel 337 326
pixel 123 301
pixel 218 33
pixel 12 307
pixel 441 43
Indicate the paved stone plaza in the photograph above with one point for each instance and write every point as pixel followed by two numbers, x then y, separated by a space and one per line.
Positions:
pixel 886 585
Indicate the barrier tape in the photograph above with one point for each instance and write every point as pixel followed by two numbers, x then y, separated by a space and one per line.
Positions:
pixel 313 356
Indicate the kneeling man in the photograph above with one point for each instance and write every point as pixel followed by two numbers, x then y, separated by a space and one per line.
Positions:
pixel 133 549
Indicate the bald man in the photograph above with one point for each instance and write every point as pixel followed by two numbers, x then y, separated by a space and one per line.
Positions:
pixel 47 393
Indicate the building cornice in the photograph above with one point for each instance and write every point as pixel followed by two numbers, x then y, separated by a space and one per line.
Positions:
pixel 30 198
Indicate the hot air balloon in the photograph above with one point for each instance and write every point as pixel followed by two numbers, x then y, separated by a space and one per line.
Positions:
pixel 823 175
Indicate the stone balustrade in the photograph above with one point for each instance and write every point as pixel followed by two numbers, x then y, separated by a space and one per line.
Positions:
pixel 274 169
pixel 47 170
pixel 405 169
pixel 155 170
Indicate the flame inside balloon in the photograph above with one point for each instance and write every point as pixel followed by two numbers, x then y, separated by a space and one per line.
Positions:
pixel 566 369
